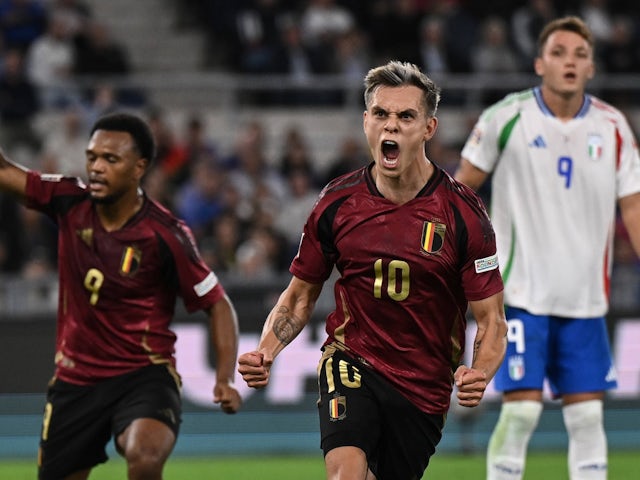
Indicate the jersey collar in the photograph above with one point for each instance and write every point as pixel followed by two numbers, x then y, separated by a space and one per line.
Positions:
pixel 586 103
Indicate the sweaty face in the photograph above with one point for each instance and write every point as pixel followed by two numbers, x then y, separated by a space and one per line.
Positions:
pixel 114 167
pixel 566 63
pixel 396 127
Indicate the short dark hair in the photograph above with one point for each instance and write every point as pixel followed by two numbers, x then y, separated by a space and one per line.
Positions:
pixel 395 74
pixel 569 23
pixel 135 126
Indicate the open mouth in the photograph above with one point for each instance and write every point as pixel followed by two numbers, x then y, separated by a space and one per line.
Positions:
pixel 390 153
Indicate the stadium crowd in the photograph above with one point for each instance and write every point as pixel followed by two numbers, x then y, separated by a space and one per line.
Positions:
pixel 457 36
pixel 247 209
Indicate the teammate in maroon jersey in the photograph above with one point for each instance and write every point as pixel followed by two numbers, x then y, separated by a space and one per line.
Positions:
pixel 413 248
pixel 123 260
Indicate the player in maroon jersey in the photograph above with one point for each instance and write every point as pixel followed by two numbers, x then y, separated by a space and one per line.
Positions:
pixel 123 260
pixel 413 248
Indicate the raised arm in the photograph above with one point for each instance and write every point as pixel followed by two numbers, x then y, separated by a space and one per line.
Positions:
pixel 470 175
pixel 224 338
pixel 286 320
pixel 489 348
pixel 13 178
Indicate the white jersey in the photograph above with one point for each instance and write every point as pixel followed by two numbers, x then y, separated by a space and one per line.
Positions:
pixel 553 200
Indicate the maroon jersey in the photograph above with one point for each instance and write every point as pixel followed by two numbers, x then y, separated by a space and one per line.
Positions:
pixel 406 274
pixel 118 289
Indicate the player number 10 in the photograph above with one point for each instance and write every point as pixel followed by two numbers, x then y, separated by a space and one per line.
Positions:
pixel 397 276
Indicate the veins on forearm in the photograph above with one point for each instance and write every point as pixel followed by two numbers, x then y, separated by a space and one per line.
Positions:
pixel 286 326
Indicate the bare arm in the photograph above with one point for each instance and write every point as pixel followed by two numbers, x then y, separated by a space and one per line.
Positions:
pixel 470 175
pixel 13 178
pixel 286 320
pixel 630 210
pixel 489 348
pixel 224 337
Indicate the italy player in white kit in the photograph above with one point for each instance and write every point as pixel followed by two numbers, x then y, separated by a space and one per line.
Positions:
pixel 561 161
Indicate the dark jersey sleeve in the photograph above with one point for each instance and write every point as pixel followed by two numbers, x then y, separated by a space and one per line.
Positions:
pixel 53 194
pixel 199 286
pixel 480 274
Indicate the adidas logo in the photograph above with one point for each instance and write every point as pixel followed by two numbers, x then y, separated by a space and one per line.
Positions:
pixel 538 142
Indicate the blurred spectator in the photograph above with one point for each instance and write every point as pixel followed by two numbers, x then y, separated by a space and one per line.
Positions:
pixel 102 100
pixel 493 54
pixel 291 217
pixel 64 145
pixel 300 61
pixel 260 255
pixel 461 32
pixel 196 145
pixel 155 185
pixel 526 23
pixel 448 156
pixel 350 157
pixel 321 23
pixel 218 21
pixel 97 53
pixel 177 156
pixel 41 244
pixel 50 65
pixel 219 249
pixel 296 155
pixel 19 105
pixel 352 55
pixel 323 20
pixel 400 21
pixel 258 36
pixel 75 13
pixel 596 15
pixel 13 244
pixel 621 53
pixel 291 56
pixel 21 21
pixel 432 43
pixel 199 200
pixel 170 155
pixel 254 178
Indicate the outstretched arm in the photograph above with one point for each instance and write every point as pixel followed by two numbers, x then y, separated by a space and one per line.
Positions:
pixel 489 348
pixel 13 178
pixel 224 337
pixel 286 320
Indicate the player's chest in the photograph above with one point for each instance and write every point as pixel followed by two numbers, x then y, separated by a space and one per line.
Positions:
pixel 422 235
pixel 588 142
pixel 119 255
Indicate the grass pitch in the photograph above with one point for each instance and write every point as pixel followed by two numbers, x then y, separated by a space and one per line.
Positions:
pixel 550 466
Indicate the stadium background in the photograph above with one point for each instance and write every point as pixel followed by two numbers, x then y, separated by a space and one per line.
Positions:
pixel 174 65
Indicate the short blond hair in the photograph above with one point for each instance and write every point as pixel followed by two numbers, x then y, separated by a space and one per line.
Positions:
pixel 395 74
pixel 569 24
